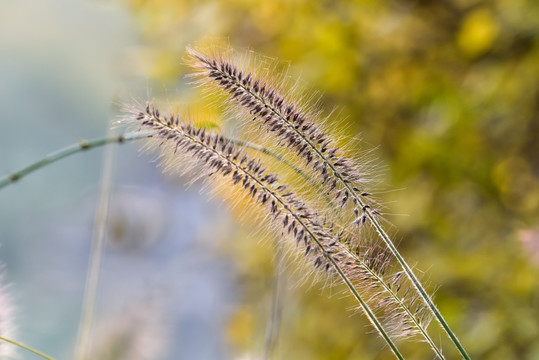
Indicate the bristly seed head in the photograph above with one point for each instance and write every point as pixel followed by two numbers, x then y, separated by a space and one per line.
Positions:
pixel 216 154
pixel 289 121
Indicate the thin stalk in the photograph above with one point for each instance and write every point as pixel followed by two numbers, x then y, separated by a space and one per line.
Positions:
pixel 274 319
pixel 283 160
pixel 82 145
pixel 26 347
pixel 84 338
pixel 277 156
pixel 366 308
pixel 422 292
pixel 399 301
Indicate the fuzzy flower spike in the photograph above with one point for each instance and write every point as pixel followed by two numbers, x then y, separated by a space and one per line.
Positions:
pixel 258 99
pixel 363 273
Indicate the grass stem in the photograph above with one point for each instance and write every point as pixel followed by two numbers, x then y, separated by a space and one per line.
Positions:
pixel 84 338
pixel 26 347
pixel 82 145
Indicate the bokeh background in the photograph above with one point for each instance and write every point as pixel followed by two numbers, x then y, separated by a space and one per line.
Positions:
pixel 447 92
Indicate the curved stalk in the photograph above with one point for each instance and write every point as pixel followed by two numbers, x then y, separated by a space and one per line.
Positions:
pixel 276 309
pixel 26 347
pixel 82 145
pixel 401 303
pixel 283 160
pixel 84 336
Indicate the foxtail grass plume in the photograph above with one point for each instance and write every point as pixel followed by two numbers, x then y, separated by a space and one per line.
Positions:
pixel 294 126
pixel 266 101
pixel 363 270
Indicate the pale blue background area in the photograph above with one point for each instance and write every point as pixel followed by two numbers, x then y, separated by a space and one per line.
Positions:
pixel 60 72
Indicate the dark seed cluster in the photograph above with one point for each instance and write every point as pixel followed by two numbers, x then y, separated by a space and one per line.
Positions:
pixel 219 155
pixel 292 126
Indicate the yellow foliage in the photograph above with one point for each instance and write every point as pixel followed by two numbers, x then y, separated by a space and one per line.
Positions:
pixel 478 32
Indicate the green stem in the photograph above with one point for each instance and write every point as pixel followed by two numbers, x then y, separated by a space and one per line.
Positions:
pixel 83 145
pixel 84 337
pixel 67 151
pixel 422 292
pixel 276 310
pixel 283 160
pixel 399 301
pixel 27 348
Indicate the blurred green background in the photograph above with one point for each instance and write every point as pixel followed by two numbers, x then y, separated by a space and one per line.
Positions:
pixel 448 93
